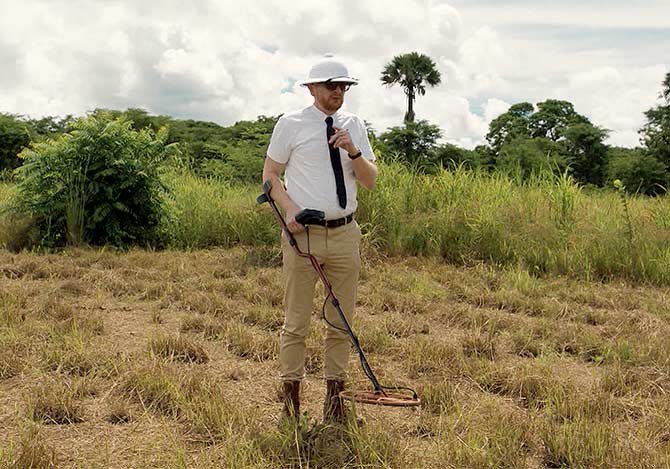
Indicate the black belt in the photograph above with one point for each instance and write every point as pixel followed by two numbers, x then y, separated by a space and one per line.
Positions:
pixel 336 222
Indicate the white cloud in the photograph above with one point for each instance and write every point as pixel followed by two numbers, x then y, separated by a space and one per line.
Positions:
pixel 493 108
pixel 615 99
pixel 590 13
pixel 204 69
pixel 224 60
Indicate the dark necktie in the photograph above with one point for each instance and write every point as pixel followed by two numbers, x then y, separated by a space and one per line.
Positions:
pixel 337 165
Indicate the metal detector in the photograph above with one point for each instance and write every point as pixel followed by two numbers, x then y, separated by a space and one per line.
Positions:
pixel 397 396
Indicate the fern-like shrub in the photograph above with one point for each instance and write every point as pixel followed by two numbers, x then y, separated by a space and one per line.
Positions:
pixel 98 184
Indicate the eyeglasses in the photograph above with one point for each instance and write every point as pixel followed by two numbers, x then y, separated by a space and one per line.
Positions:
pixel 332 86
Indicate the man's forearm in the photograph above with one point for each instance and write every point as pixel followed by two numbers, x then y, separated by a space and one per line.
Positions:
pixel 278 193
pixel 365 171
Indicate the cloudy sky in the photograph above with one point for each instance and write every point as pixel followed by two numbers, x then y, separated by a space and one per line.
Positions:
pixel 227 60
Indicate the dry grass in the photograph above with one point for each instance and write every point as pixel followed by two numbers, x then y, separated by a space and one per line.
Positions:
pixel 30 452
pixel 155 386
pixel 12 352
pixel 192 323
pixel 248 343
pixel 169 359
pixel 119 413
pixel 488 435
pixel 54 403
pixel 178 348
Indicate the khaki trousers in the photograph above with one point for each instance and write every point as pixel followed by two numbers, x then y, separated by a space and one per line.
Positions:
pixel 337 250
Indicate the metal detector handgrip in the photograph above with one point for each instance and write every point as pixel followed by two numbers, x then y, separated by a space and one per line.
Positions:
pixel 309 216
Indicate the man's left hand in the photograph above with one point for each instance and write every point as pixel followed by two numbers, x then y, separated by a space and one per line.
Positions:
pixel 342 139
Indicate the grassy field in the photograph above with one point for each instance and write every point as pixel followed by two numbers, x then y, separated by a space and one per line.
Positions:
pixel 168 359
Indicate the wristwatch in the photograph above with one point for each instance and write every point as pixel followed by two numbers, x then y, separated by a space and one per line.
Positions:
pixel 355 155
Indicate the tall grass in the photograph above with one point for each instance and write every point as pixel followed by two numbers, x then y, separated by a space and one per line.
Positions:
pixel 209 212
pixel 6 190
pixel 545 225
pixel 14 229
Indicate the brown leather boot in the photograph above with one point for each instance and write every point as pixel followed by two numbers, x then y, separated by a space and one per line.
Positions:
pixel 333 406
pixel 291 397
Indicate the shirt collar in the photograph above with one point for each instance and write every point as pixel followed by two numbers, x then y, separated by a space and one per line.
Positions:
pixel 321 115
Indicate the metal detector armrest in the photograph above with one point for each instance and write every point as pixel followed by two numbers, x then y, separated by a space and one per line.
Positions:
pixel 265 196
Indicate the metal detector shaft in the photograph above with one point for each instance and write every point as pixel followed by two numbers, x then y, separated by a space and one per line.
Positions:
pixel 265 197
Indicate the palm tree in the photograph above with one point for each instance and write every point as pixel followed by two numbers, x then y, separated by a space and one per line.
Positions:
pixel 412 71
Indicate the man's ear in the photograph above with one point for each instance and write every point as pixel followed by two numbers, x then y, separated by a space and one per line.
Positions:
pixel 310 86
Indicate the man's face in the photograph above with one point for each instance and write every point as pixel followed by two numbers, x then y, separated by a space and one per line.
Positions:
pixel 328 96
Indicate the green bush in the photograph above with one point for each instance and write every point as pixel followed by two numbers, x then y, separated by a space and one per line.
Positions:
pixel 6 191
pixel 638 171
pixel 452 156
pixel 524 157
pixel 14 136
pixel 98 184
pixel 240 163
pixel 412 144
pixel 656 131
pixel 234 154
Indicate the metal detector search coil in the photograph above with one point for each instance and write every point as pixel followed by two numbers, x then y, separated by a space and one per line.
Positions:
pixel 385 398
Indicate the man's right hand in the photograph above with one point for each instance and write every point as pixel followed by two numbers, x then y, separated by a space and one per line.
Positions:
pixel 293 226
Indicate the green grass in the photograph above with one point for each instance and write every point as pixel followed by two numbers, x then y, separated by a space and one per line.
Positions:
pixel 6 191
pixel 547 225
pixel 208 212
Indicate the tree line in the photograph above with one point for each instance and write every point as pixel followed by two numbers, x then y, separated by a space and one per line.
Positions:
pixel 526 139
pixel 235 152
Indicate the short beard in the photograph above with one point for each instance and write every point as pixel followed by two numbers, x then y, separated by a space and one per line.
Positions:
pixel 331 110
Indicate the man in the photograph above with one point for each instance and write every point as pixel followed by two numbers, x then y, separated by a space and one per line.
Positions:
pixel 324 152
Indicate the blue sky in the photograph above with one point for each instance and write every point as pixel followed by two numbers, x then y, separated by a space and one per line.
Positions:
pixel 225 60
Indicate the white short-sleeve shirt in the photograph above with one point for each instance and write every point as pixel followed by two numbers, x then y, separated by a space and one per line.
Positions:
pixel 299 141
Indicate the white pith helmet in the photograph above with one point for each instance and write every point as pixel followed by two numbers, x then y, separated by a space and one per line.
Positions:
pixel 329 70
